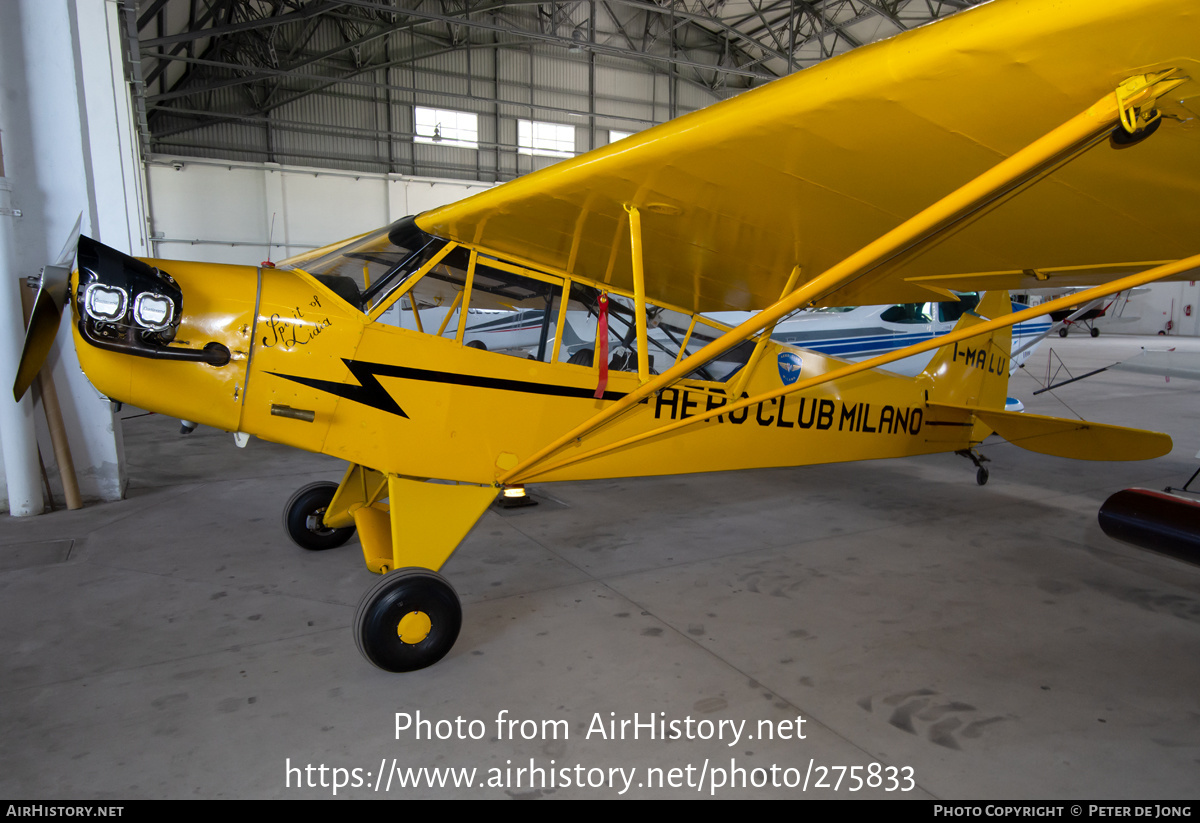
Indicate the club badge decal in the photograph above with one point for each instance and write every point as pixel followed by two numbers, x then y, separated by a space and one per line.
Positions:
pixel 789 367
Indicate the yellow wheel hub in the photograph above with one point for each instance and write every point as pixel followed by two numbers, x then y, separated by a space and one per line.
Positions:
pixel 414 627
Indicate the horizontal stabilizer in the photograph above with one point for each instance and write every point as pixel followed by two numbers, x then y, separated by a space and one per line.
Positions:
pixel 1076 439
pixel 1166 363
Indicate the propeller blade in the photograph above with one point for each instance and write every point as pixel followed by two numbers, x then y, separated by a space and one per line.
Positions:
pixel 67 255
pixel 47 312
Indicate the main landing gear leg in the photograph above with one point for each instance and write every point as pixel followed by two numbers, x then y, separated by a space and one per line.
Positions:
pixel 410 619
pixel 981 472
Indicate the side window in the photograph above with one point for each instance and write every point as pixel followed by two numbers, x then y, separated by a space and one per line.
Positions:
pixel 507 313
pixel 666 332
pixel 513 313
pixel 908 313
pixel 725 366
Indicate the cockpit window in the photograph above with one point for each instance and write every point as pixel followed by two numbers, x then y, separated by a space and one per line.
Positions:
pixel 908 313
pixel 367 269
pixel 950 311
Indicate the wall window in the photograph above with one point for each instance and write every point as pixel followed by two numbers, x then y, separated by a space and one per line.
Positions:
pixel 546 139
pixel 614 135
pixel 446 128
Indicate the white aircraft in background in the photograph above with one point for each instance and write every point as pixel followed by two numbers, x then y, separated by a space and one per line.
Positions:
pixel 1111 309
pixel 858 332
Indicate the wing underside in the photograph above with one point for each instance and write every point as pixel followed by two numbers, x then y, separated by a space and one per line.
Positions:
pixel 811 168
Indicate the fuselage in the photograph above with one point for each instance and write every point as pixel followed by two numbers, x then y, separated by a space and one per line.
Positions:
pixel 384 374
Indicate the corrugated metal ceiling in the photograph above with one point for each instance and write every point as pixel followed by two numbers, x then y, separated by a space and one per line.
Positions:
pixel 319 82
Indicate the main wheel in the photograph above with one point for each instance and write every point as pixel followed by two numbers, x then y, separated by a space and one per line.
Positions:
pixel 408 620
pixel 1062 332
pixel 981 476
pixel 302 518
pixel 1095 332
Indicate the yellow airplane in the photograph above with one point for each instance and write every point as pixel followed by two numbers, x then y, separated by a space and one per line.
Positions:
pixel 1017 145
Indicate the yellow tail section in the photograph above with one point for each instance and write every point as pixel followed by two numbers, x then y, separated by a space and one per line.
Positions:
pixel 968 381
pixel 1076 439
pixel 974 372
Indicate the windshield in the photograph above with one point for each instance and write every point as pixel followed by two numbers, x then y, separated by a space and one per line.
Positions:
pixel 366 269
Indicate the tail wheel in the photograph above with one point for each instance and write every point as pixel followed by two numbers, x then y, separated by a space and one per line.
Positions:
pixel 302 518
pixel 408 620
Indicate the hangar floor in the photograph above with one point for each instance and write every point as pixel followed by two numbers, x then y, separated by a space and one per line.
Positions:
pixel 975 642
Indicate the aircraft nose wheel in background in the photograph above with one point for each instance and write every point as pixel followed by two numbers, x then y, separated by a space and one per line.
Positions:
pixel 302 518
pixel 408 620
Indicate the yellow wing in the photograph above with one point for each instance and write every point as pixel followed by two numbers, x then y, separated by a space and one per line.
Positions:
pixel 808 169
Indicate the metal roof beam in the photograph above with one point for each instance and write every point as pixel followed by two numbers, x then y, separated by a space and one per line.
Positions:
pixel 244 25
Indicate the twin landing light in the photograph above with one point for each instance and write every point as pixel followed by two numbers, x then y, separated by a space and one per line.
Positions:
pixel 126 300
pixel 152 311
pixel 128 306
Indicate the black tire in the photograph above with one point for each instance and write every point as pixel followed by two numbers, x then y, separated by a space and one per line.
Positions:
pixel 981 476
pixel 418 595
pixel 1062 332
pixel 310 502
pixel 477 344
pixel 1095 332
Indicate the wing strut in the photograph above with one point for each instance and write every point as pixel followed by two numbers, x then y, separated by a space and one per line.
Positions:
pixel 1039 158
pixel 639 292
pixel 882 360
pixel 763 339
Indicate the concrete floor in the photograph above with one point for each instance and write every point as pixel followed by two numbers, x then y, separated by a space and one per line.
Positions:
pixel 975 642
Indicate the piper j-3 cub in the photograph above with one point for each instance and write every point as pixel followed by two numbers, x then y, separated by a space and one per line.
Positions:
pixel 1017 145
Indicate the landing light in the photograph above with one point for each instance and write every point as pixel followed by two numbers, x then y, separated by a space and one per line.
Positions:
pixel 104 303
pixel 515 497
pixel 153 311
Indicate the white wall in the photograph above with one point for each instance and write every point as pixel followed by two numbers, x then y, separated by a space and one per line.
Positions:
pixel 1149 313
pixel 218 212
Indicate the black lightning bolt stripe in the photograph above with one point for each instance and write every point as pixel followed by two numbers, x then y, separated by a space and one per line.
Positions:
pixel 369 392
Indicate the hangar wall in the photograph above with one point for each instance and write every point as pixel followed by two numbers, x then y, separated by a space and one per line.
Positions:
pixel 1169 308
pixel 222 212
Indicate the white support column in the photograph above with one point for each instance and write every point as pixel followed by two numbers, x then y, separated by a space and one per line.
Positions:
pixel 72 147
pixel 17 432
